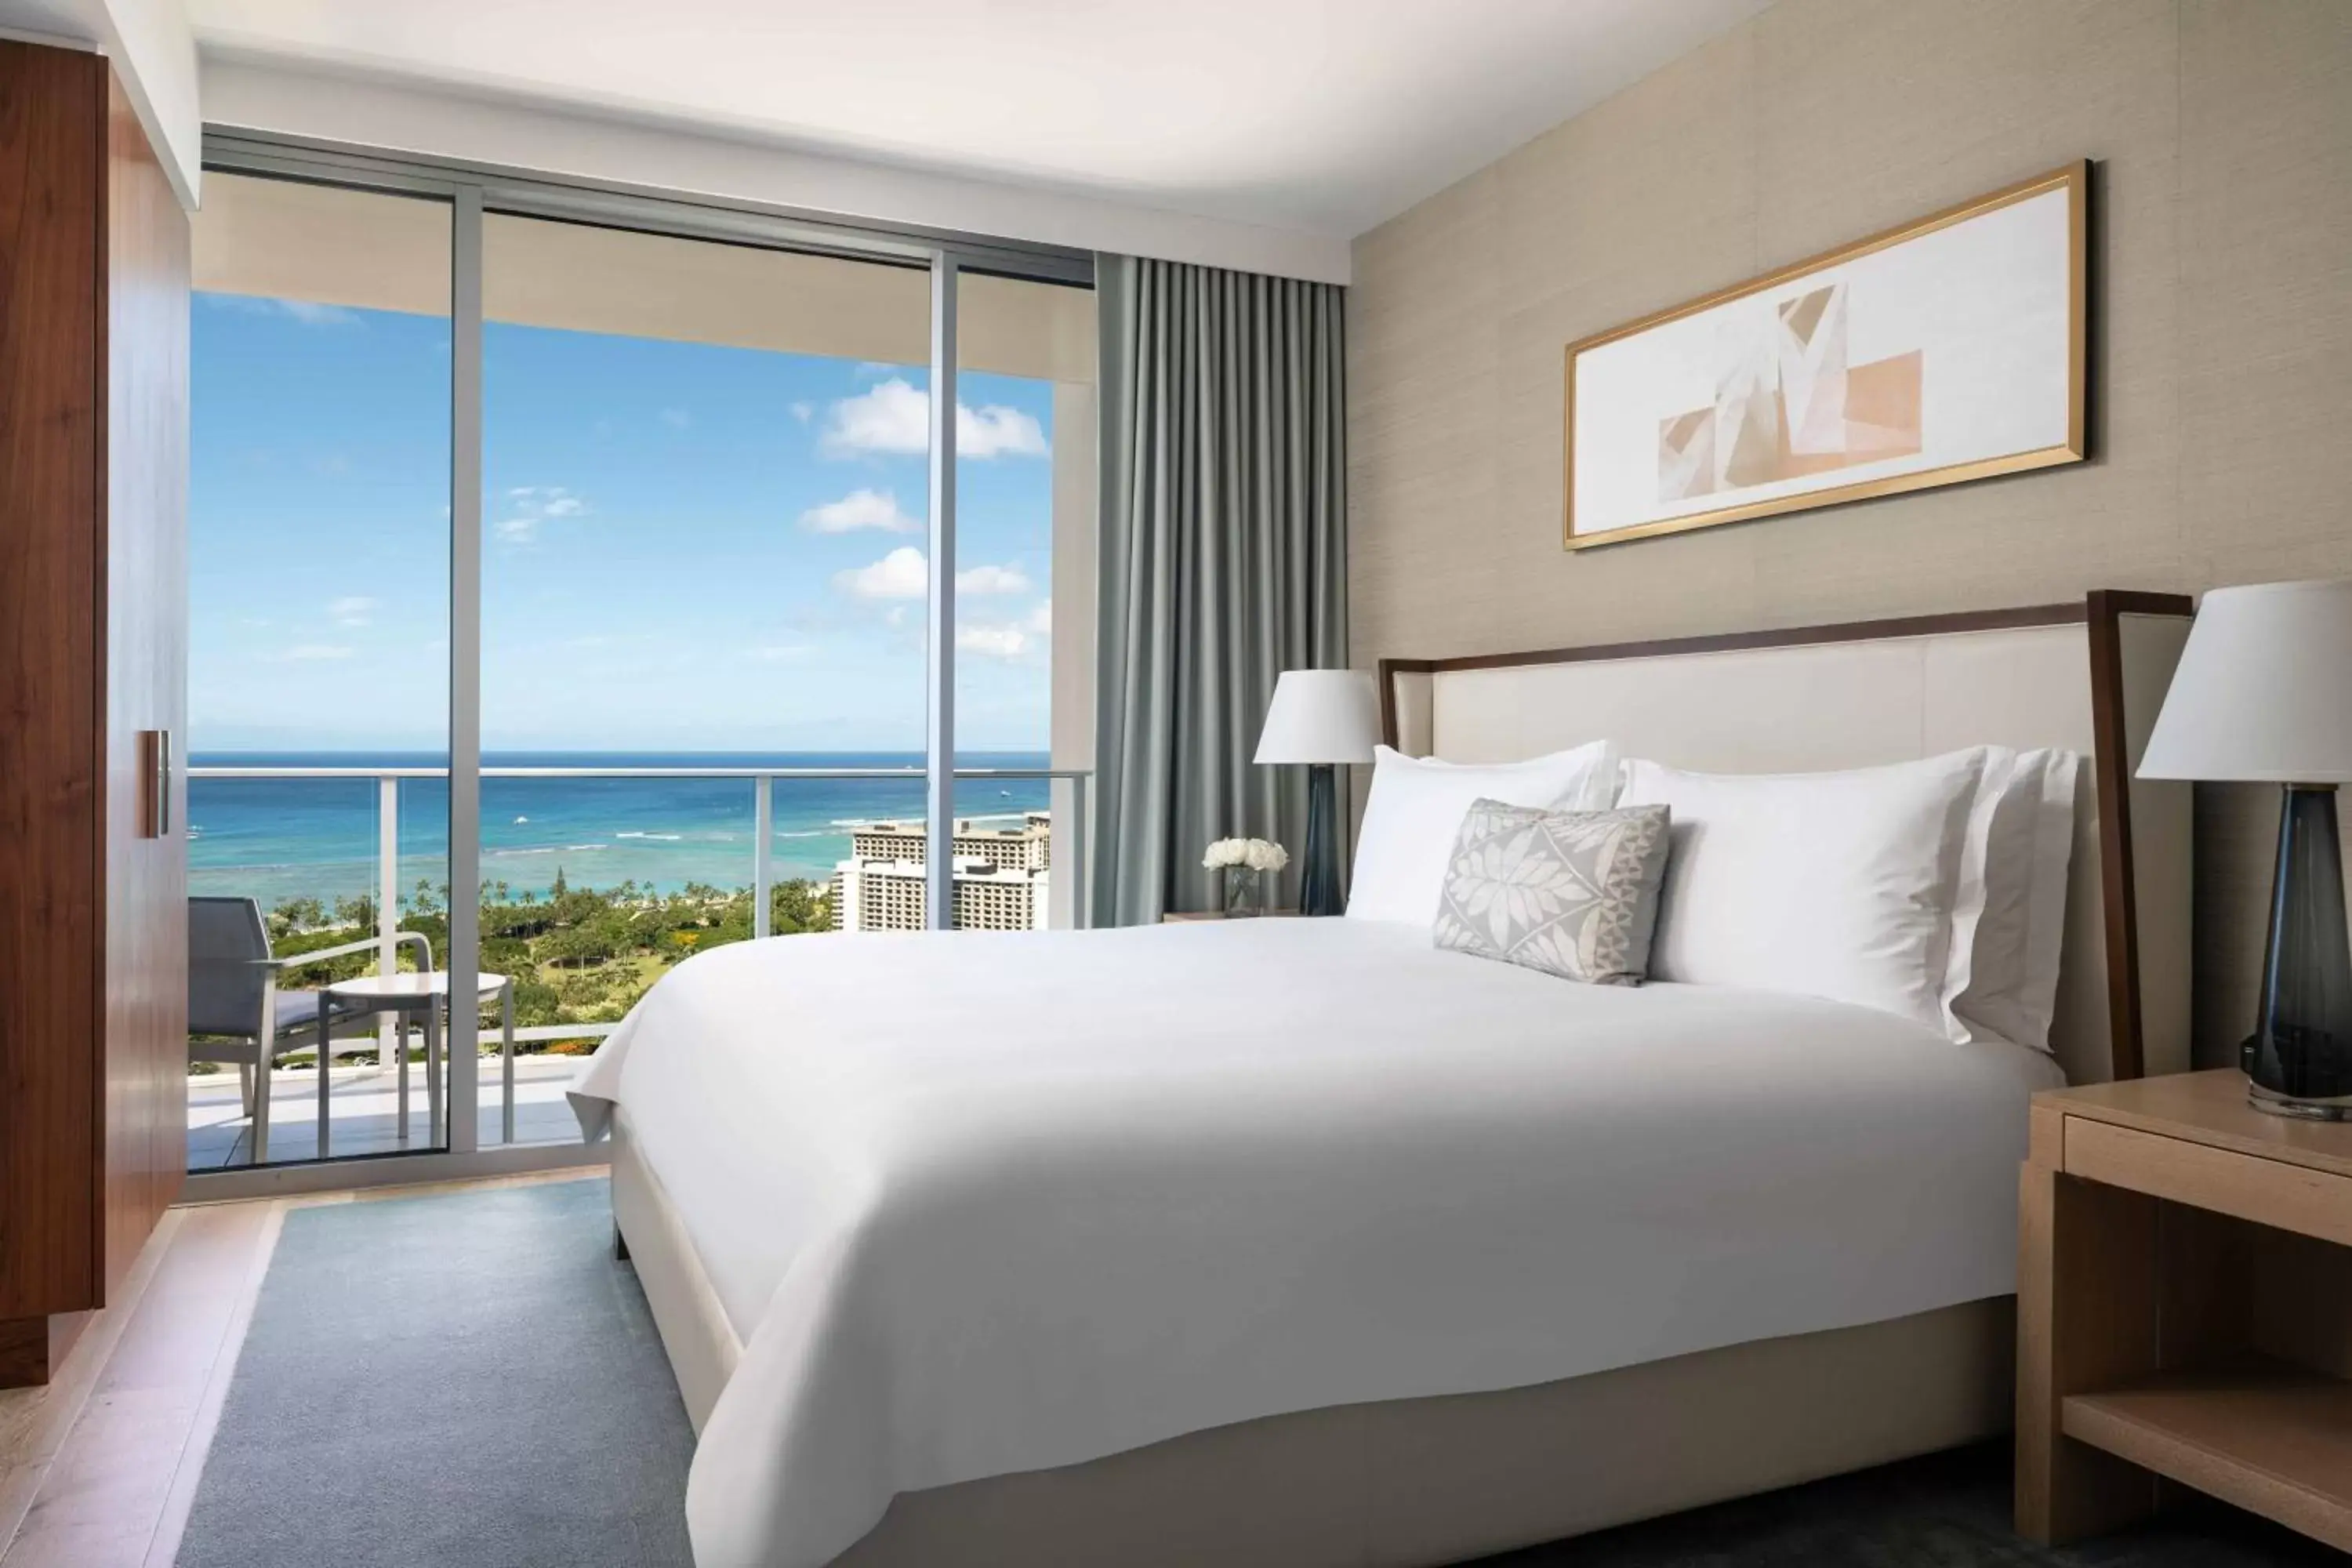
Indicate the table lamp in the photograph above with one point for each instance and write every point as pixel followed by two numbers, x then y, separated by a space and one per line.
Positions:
pixel 2264 693
pixel 1322 718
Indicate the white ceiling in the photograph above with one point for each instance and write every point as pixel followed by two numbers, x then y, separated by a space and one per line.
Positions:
pixel 1321 116
pixel 155 55
pixel 44 19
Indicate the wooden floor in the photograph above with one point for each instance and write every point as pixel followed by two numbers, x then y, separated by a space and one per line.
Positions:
pixel 96 1470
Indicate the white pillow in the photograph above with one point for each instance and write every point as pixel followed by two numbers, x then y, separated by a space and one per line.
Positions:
pixel 1415 811
pixel 2003 976
pixel 1840 885
pixel 1988 953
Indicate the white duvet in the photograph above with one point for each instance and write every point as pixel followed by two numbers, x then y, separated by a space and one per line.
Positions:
pixel 980 1204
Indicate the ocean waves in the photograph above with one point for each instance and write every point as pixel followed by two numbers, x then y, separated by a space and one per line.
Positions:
pixel 278 838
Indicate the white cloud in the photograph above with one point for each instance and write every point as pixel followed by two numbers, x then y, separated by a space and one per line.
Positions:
pixel 355 611
pixel 677 418
pixel 803 412
pixel 315 650
pixel 779 653
pixel 995 431
pixel 858 510
pixel 1009 639
pixel 893 418
pixel 528 506
pixel 310 312
pixel 902 575
pixel 991 580
pixel 992 640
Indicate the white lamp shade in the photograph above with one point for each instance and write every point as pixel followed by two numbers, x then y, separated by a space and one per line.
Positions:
pixel 2264 690
pixel 1320 716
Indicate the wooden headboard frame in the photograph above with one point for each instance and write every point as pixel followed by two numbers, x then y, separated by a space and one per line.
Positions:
pixel 2119 732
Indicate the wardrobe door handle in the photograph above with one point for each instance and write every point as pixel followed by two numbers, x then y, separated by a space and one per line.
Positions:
pixel 154 784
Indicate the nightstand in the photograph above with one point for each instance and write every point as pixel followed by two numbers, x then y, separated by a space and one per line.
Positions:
pixel 1172 917
pixel 2184 1309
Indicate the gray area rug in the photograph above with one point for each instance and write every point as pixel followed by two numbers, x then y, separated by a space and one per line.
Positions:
pixel 472 1380
pixel 466 1380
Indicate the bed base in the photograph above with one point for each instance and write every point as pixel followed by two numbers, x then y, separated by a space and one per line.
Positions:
pixel 1407 1483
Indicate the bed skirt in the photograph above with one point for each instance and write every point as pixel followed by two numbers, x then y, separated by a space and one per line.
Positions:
pixel 1411 1483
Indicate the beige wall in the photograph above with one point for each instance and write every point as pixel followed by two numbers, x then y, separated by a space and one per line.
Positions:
pixel 2222 345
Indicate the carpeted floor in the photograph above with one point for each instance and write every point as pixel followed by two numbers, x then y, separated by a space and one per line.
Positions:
pixel 457 1381
pixel 471 1382
pixel 1948 1510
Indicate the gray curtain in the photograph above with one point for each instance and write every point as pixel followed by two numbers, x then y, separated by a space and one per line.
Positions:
pixel 1223 564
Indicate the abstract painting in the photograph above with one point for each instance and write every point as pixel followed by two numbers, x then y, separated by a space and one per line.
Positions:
pixel 1950 349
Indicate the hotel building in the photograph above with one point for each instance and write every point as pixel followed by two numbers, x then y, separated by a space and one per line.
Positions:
pixel 1001 877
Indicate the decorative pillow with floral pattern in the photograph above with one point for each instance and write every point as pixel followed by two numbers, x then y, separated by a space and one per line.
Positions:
pixel 1574 893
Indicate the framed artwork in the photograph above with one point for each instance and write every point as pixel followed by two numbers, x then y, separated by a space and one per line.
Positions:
pixel 1950 349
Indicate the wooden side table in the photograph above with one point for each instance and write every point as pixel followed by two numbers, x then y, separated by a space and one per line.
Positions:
pixel 2184 1309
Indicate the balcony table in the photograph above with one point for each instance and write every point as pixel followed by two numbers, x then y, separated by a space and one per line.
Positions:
pixel 417 992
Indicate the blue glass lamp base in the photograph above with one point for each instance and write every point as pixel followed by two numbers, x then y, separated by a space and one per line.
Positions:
pixel 2298 1061
pixel 1320 893
pixel 2276 1104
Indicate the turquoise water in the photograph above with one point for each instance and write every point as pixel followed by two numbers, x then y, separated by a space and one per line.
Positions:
pixel 275 840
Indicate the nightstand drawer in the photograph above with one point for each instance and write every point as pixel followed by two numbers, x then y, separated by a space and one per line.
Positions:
pixel 2268 1192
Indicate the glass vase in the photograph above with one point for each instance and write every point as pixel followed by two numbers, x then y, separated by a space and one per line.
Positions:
pixel 1242 895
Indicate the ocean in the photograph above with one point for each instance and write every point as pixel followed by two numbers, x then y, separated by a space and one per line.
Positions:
pixel 275 840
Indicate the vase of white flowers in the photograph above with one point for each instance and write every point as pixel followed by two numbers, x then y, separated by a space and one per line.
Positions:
pixel 1244 863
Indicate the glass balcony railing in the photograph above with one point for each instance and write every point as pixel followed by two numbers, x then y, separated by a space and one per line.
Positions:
pixel 595 880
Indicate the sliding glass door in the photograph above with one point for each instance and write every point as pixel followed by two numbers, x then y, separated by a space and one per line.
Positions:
pixel 595 539
pixel 1024 598
pixel 319 666
pixel 702 641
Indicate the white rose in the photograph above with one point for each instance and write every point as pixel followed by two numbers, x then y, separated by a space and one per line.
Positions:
pixel 1223 853
pixel 1265 856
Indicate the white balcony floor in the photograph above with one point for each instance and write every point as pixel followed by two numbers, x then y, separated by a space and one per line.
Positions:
pixel 362 1111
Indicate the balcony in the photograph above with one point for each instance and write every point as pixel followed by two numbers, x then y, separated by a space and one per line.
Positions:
pixel 595 880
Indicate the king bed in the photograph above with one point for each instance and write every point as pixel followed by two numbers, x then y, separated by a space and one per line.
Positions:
pixel 1304 1242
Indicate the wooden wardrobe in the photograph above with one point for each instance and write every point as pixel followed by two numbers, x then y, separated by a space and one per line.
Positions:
pixel 93 639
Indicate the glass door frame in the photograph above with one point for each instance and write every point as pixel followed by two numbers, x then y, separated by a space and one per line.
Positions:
pixel 472 191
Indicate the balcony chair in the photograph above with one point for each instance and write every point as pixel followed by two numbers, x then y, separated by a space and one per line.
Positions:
pixel 234 998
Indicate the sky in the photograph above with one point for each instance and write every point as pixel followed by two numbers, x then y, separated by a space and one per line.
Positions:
pixel 684 547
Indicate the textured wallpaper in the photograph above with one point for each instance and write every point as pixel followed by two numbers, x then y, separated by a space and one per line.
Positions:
pixel 2222 339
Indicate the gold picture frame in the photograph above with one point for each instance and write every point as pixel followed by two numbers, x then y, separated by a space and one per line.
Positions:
pixel 2071 178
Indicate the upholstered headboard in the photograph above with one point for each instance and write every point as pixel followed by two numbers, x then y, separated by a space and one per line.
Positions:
pixel 2089 676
